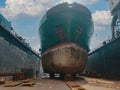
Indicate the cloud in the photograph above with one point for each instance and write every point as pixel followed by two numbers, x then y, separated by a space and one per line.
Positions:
pixel 30 38
pixel 95 43
pixel 36 47
pixel 34 7
pixel 101 19
pixel 34 42
pixel 28 7
pixel 84 2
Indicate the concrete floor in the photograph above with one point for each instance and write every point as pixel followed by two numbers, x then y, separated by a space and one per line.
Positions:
pixel 56 84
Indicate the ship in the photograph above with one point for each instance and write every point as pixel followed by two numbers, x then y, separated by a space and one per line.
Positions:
pixel 65 32
pixel 105 60
pixel 17 59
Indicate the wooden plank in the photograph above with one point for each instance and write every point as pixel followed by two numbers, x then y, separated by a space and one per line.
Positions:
pixel 31 83
pixel 27 82
pixel 12 84
pixel 2 82
pixel 74 86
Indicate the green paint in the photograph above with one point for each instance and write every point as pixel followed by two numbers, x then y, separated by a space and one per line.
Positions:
pixel 69 20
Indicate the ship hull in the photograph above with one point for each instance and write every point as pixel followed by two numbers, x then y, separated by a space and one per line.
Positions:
pixel 65 23
pixel 66 58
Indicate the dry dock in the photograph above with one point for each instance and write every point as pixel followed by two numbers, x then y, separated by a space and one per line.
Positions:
pixel 82 83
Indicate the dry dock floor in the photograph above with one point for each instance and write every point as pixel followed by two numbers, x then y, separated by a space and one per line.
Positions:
pixel 56 84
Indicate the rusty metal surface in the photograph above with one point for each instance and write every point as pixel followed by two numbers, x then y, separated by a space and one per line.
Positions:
pixel 65 60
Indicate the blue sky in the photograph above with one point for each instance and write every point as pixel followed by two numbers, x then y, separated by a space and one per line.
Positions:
pixel 25 16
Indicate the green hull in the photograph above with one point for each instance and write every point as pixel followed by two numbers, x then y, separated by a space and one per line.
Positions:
pixel 65 23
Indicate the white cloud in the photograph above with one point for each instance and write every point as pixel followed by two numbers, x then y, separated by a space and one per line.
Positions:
pixel 30 38
pixel 34 42
pixel 84 2
pixel 95 43
pixel 36 47
pixel 34 7
pixel 101 19
pixel 29 7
